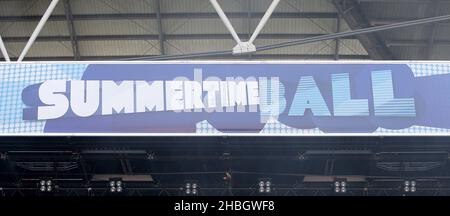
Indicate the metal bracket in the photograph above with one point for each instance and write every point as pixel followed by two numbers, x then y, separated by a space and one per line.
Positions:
pixel 244 46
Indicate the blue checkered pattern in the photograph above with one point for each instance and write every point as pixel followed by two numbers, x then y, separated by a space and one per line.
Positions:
pixel 421 70
pixel 271 127
pixel 14 78
pixel 414 130
pixel 204 127
pixel 275 127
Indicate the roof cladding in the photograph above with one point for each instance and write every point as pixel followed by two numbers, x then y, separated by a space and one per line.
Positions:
pixel 116 30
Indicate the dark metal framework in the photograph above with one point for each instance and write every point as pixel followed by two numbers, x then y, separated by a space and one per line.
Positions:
pixel 371 165
pixel 71 27
pixel 352 13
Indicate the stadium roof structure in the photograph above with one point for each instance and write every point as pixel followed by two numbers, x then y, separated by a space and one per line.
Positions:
pixel 177 29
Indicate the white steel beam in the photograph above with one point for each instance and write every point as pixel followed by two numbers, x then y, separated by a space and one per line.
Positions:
pixel 38 29
pixel 3 49
pixel 264 20
pixel 225 20
pixel 247 46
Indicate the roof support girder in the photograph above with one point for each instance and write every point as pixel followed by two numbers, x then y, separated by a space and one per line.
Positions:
pixel 432 27
pixel 161 37
pixel 71 27
pixel 351 11
pixel 38 29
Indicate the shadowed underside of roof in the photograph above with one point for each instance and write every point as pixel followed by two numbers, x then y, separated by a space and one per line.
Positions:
pixel 115 30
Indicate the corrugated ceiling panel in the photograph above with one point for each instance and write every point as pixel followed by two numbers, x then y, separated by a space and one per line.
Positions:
pixel 344 26
pixel 305 6
pixel 112 6
pixel 175 6
pixel 347 47
pixel 116 27
pixel 273 26
pixel 413 53
pixel 443 32
pixel 258 5
pixel 37 7
pixel 310 26
pixel 22 29
pixel 194 46
pixel 351 47
pixel 444 8
pixel 14 49
pixel 42 49
pixel 27 7
pixel 118 48
pixel 319 48
pixel 242 6
pixel 395 10
pixel 202 26
pixel 441 52
pixel 408 33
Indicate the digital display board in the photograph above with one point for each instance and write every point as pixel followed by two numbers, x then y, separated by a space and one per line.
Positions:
pixel 213 98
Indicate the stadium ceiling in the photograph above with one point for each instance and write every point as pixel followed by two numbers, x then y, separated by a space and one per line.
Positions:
pixel 176 29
